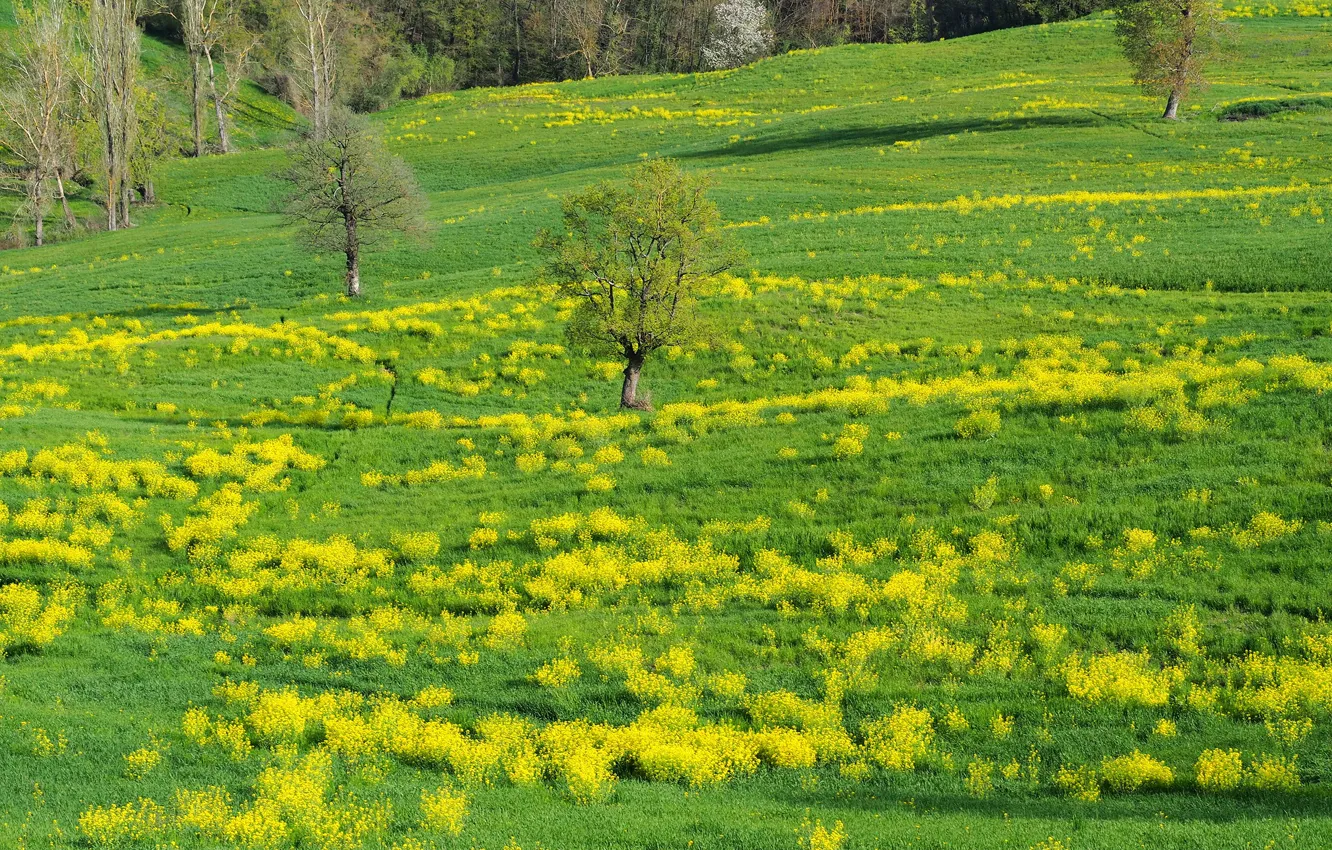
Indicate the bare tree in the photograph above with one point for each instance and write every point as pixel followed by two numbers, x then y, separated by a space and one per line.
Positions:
pixel 238 43
pixel 215 32
pixel 317 46
pixel 347 190
pixel 36 104
pixel 195 22
pixel 636 257
pixel 113 47
pixel 1168 43
pixel 583 21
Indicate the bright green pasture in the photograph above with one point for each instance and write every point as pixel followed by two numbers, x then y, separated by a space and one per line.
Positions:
pixel 1154 244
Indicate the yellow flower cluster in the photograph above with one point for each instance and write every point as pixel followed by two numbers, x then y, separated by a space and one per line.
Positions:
pixel 472 467
pixel 28 621
pixel 257 465
pixel 1120 678
pixel 1134 771
pixel 214 518
pixel 83 468
pixel 443 810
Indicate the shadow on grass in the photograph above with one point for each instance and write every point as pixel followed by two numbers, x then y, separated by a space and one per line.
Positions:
pixel 886 135
pixel 1182 804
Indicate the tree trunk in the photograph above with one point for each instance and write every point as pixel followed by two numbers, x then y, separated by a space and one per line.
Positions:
pixel 353 273
pixel 112 195
pixel 149 191
pixel 198 104
pixel 353 259
pixel 1172 105
pixel 222 135
pixel 126 192
pixel 629 394
pixel 38 213
pixel 64 201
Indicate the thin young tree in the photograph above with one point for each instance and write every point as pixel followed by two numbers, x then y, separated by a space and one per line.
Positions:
pixel 316 46
pixel 35 106
pixel 347 191
pixel 215 32
pixel 238 42
pixel 152 143
pixel 113 50
pixel 1169 43
pixel 636 257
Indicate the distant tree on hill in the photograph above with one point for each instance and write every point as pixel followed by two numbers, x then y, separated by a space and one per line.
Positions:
pixel 214 30
pixel 156 139
pixel 347 191
pixel 316 49
pixel 1169 43
pixel 583 20
pixel 635 256
pixel 741 33
pixel 195 18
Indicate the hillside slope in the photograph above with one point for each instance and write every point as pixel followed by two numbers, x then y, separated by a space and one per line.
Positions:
pixel 1045 111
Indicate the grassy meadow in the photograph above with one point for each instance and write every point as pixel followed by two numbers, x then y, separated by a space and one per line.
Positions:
pixel 993 511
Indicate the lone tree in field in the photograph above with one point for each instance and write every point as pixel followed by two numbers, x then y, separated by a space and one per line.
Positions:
pixel 635 256
pixel 347 191
pixel 1169 43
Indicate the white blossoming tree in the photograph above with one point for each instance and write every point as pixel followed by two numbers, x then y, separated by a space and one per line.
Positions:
pixel 741 32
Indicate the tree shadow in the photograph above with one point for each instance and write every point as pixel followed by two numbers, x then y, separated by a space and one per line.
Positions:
pixel 888 134
pixel 1181 805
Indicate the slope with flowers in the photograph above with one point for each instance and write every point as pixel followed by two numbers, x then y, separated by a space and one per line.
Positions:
pixel 994 512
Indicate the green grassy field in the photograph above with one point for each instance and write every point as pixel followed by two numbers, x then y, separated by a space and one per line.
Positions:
pixel 994 511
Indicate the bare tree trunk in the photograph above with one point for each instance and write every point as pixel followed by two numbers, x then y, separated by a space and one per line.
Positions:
pixel 629 394
pixel 318 44
pixel 197 95
pixel 114 50
pixel 37 208
pixel 1172 105
pixel 112 189
pixel 64 201
pixel 223 137
pixel 149 191
pixel 353 260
